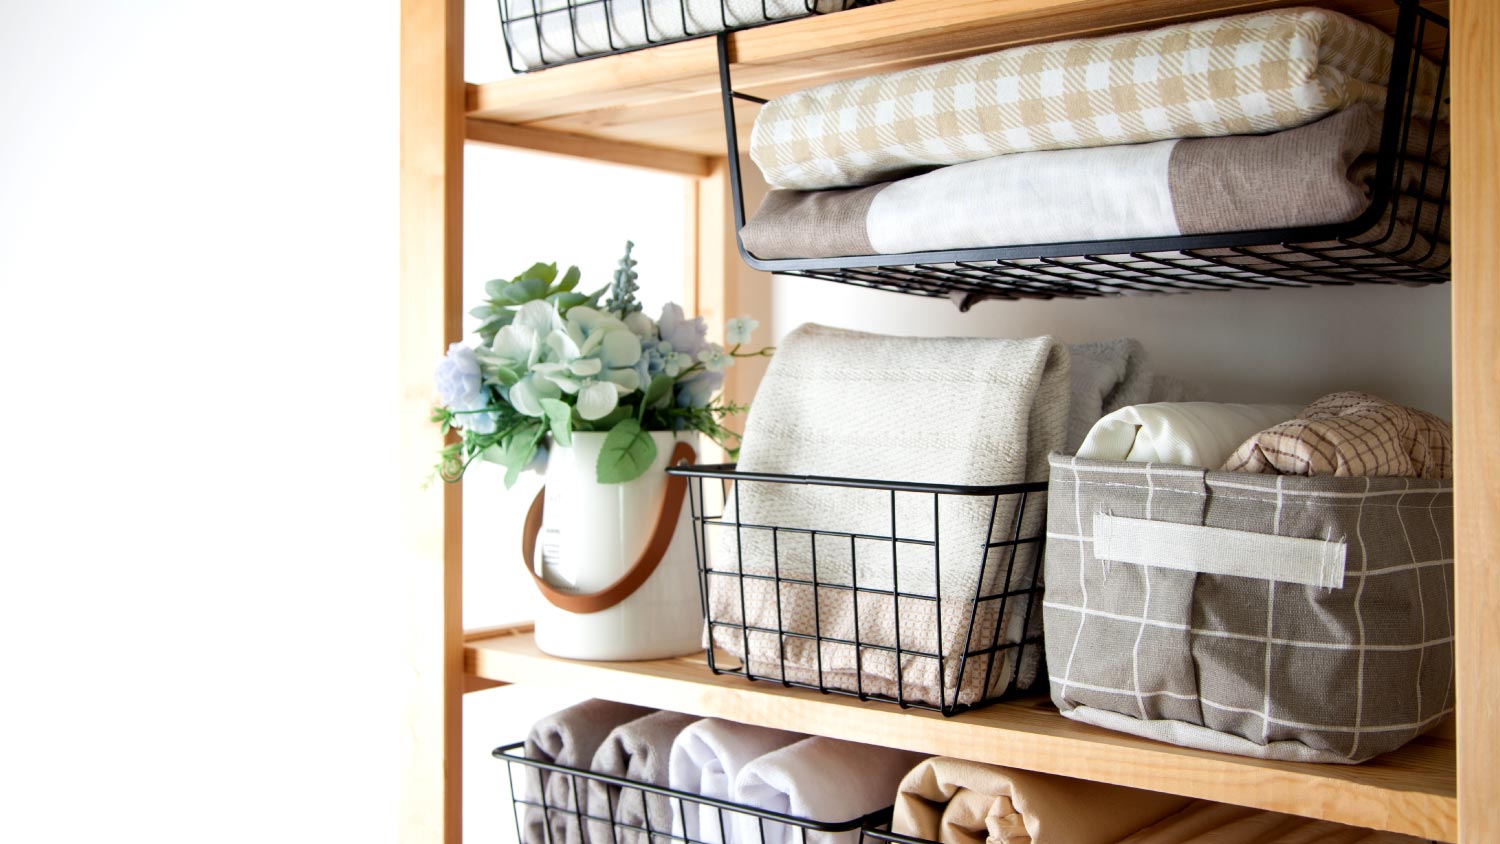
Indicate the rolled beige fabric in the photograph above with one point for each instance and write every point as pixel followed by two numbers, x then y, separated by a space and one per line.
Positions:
pixel 954 801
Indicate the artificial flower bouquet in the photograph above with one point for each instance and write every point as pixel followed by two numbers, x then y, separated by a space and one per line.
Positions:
pixel 553 361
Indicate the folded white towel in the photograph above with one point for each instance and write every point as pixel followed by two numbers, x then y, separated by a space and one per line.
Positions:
pixel 819 779
pixel 706 759
pixel 1196 433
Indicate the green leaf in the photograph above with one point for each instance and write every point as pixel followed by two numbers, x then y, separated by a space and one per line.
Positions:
pixel 539 272
pixel 566 300
pixel 488 330
pixel 494 286
pixel 493 454
pixel 569 280
pixel 658 393
pixel 482 312
pixel 524 290
pixel 519 451
pixel 559 420
pixel 604 424
pixel 504 376
pixel 627 453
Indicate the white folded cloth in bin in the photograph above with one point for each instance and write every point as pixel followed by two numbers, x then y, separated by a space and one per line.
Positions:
pixel 819 779
pixel 706 759
pixel 1202 434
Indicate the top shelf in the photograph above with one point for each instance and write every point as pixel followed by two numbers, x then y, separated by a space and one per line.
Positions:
pixel 667 97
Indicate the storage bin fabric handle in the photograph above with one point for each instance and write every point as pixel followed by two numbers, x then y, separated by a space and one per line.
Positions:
pixel 637 574
pixel 1211 550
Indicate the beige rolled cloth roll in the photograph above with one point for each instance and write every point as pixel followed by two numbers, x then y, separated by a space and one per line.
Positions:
pixel 954 801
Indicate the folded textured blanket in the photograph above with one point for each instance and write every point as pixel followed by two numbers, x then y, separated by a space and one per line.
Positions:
pixel 1218 823
pixel 1106 375
pixel 542 32
pixel 1351 435
pixel 570 737
pixel 638 750
pixel 1183 433
pixel 706 759
pixel 847 404
pixel 1241 75
pixel 954 801
pixel 819 779
pixel 1315 174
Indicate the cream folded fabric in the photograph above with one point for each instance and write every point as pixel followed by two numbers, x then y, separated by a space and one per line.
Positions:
pixel 819 779
pixel 848 404
pixel 639 750
pixel 541 32
pixel 1351 435
pixel 954 801
pixel 1218 823
pixel 1200 434
pixel 1242 75
pixel 570 737
pixel 707 758
pixel 1311 175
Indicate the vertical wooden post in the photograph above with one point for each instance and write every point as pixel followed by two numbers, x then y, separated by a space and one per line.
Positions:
pixel 432 131
pixel 1476 411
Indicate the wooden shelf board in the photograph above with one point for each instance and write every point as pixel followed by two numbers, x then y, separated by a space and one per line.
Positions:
pixel 1411 790
pixel 668 96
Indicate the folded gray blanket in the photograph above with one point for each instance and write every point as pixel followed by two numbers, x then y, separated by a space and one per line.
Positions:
pixel 570 737
pixel 640 750
pixel 1108 375
pixel 1316 174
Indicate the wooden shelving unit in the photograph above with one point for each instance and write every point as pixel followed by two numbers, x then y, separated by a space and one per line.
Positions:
pixel 659 109
pixel 1411 791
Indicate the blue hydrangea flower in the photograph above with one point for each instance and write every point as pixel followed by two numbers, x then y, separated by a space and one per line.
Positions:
pixel 461 388
pixel 697 389
pixel 688 336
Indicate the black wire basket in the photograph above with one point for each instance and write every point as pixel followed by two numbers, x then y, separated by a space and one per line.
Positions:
pixel 545 33
pixel 929 598
pixel 635 812
pixel 1369 249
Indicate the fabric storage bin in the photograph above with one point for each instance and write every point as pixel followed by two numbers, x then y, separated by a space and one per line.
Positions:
pixel 1293 618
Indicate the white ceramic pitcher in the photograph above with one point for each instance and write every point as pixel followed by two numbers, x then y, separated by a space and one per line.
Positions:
pixel 592 551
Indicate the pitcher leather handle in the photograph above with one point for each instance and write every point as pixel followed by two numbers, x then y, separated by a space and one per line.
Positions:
pixel 661 537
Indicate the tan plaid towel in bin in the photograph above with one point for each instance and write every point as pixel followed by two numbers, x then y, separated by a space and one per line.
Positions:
pixel 1239 75
pixel 1351 435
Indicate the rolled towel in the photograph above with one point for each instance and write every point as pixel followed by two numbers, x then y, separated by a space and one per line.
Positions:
pixel 706 759
pixel 639 750
pixel 1351 435
pixel 819 779
pixel 955 410
pixel 954 801
pixel 1202 434
pixel 1218 823
pixel 570 737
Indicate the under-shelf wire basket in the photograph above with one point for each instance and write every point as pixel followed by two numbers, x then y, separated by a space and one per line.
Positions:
pixel 546 33
pixel 1368 249
pixel 539 822
pixel 932 600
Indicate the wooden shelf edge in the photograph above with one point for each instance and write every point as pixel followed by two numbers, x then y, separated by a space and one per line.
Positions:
pixel 1410 791
pixel 659 159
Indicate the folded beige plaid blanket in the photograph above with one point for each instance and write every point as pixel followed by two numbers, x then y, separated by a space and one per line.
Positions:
pixel 1351 435
pixel 1241 75
pixel 954 801
pixel 954 410
pixel 1316 174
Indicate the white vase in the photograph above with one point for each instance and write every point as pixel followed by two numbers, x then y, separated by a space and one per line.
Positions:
pixel 591 535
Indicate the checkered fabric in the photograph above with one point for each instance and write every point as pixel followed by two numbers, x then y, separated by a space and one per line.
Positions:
pixel 1351 435
pixel 1247 74
pixel 1242 664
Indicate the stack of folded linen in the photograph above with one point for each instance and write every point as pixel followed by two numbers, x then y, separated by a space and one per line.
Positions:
pixel 965 411
pixel 952 801
pixel 814 779
pixel 1261 121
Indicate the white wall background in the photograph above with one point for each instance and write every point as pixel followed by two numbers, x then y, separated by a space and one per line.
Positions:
pixel 198 492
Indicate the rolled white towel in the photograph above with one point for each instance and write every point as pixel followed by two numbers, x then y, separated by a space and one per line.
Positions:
pixel 706 759
pixel 818 779
pixel 1202 434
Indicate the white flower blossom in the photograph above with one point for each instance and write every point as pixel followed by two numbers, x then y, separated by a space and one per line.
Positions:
pixel 738 330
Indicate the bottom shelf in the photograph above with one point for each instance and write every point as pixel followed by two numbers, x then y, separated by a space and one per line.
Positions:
pixel 1413 790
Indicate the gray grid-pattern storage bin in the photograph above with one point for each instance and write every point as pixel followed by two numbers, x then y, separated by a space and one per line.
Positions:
pixel 1295 618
